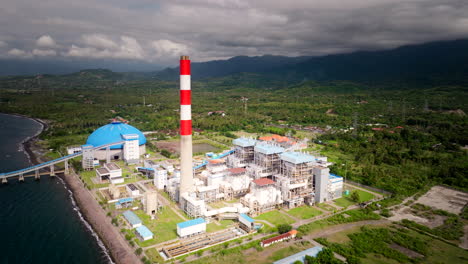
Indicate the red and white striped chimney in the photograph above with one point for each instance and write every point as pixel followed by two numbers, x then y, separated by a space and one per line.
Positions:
pixel 186 170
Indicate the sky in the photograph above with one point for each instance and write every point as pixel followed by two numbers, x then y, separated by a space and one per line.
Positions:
pixel 158 32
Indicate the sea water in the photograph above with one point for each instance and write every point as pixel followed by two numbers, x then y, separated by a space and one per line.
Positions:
pixel 39 220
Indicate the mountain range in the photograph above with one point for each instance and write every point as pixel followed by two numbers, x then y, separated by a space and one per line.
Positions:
pixel 443 62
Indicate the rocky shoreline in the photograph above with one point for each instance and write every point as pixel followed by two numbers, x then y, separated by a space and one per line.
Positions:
pixel 93 216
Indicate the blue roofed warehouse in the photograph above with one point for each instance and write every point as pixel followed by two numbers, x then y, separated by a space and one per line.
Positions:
pixel 191 227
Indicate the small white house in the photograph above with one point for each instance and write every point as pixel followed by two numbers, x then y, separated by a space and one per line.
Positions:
pixel 191 227
pixel 132 190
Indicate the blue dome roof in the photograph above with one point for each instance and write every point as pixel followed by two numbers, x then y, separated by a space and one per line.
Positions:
pixel 113 133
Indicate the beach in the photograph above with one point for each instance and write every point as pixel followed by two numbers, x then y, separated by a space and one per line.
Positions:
pixel 112 242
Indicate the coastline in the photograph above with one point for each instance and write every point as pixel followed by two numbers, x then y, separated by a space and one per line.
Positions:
pixel 116 249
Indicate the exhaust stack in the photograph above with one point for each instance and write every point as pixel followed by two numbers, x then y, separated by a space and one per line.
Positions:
pixel 186 170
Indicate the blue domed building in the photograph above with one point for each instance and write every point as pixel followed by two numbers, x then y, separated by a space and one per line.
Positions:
pixel 114 132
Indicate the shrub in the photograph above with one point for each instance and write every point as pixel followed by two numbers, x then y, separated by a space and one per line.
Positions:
pixel 138 251
pixel 284 228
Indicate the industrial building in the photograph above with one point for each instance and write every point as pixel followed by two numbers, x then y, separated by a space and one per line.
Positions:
pixel 150 203
pixel 246 223
pixel 132 190
pixel 300 256
pixel 124 203
pixel 144 233
pixel 110 171
pixel 191 227
pixel 132 219
pixel 283 237
pixel 116 132
pixel 263 174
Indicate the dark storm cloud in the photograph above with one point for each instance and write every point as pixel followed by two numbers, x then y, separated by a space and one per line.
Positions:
pixel 160 31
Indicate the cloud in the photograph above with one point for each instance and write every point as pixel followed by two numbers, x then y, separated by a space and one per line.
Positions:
pixel 102 47
pixel 160 30
pixel 19 53
pixel 99 41
pixel 46 41
pixel 164 47
pixel 3 44
pixel 41 52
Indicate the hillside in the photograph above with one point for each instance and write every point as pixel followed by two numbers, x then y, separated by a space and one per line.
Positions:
pixel 444 62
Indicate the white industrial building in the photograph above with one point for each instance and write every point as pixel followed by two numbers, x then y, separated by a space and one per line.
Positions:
pixel 131 149
pixel 132 190
pixel 110 171
pixel 264 195
pixel 191 227
pixel 263 175
pixel 245 222
pixel 144 233
pixel 160 178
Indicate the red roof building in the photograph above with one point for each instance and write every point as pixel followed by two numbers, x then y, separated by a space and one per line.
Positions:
pixel 237 170
pixel 263 182
pixel 280 238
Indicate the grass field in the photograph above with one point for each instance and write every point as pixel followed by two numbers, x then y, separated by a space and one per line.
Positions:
pixel 304 212
pixel 345 201
pixel 163 227
pixel 326 207
pixel 154 256
pixel 281 252
pixel 212 227
pixel 276 218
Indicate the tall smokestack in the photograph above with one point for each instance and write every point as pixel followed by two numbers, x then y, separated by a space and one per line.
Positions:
pixel 186 171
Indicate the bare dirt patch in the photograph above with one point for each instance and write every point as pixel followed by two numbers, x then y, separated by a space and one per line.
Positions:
pixel 406 213
pixel 445 199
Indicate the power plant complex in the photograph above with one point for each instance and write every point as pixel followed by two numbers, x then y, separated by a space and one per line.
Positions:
pixel 255 176
pixel 263 174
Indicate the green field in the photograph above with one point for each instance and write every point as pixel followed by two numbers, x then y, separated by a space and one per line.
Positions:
pixel 326 207
pixel 163 227
pixel 154 256
pixel 304 212
pixel 345 201
pixel 212 227
pixel 276 218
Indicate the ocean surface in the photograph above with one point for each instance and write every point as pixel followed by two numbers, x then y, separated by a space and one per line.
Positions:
pixel 39 222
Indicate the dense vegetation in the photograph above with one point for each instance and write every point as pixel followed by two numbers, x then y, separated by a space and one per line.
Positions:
pixel 420 137
pixel 377 240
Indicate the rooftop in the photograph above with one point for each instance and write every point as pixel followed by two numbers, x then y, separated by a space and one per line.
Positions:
pixel 102 171
pixel 263 181
pixel 191 223
pixel 143 231
pixel 246 217
pixel 132 187
pixel 300 256
pixel 268 149
pixel 237 170
pixel 112 166
pixel 124 200
pixel 113 132
pixel 296 157
pixel 273 239
pixel 216 161
pixel 132 218
pixel 244 142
